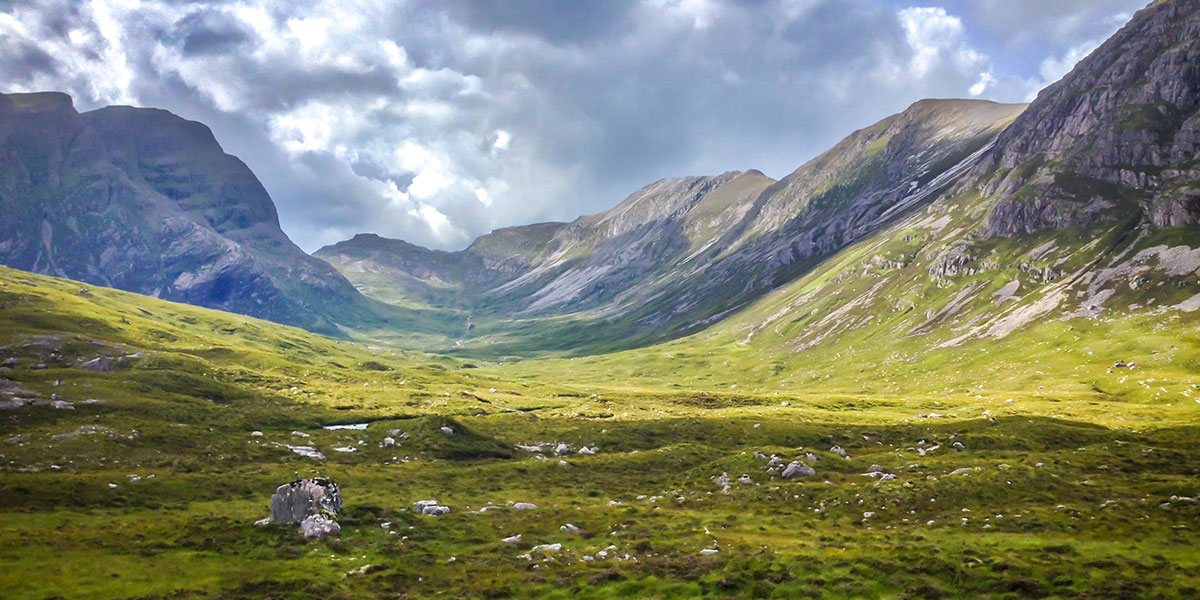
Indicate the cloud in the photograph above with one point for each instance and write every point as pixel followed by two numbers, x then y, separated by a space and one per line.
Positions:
pixel 437 122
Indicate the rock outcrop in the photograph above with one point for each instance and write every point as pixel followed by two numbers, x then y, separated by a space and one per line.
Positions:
pixel 1117 138
pixel 303 499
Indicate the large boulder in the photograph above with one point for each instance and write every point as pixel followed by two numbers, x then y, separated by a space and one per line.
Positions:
pixel 296 501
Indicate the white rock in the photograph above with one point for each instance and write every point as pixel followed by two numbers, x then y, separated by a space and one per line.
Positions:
pixel 524 506
pixel 709 551
pixel 306 451
pixel 546 548
pixel 569 528
pixel 256 434
pixel 514 539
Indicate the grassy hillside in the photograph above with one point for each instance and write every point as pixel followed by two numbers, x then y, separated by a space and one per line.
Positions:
pixel 1064 493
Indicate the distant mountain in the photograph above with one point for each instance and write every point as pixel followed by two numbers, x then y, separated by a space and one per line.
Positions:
pixel 142 200
pixel 679 254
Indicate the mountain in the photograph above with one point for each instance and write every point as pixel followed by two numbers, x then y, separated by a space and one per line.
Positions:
pixel 679 254
pixel 1071 243
pixel 142 200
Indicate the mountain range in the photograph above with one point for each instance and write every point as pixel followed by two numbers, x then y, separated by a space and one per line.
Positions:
pixel 953 220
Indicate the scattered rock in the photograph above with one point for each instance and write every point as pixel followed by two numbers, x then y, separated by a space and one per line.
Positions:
pixel 319 525
pixel 512 539
pixel 307 452
pixel 365 570
pixel 874 469
pixel 389 442
pixel 430 508
pixel 569 528
pixel 546 548
pixel 958 446
pixel 256 434
pixel 102 364
pixel 587 451
pixel 447 430
pixel 10 362
pixel 524 506
pixel 708 551
pixel 796 470
pixel 838 451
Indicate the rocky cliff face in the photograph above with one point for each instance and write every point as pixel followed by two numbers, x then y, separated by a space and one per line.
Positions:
pixel 680 253
pixel 1119 135
pixel 145 201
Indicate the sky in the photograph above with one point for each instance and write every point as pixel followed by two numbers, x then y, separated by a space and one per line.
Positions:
pixel 436 122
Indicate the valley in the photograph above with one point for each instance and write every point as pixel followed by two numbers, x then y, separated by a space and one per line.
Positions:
pixel 957 355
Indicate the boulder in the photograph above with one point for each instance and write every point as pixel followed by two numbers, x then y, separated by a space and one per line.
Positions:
pixel 319 525
pixel 524 506
pixel 296 501
pixel 838 451
pixel 796 470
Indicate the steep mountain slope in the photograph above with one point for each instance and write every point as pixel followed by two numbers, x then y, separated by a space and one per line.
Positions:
pixel 1120 133
pixel 681 253
pixel 145 201
pixel 1072 244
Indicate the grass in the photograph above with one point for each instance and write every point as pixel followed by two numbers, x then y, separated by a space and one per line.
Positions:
pixel 1063 496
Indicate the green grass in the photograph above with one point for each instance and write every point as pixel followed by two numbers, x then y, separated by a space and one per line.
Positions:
pixel 666 421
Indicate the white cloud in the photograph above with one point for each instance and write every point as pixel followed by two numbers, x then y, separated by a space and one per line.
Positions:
pixel 985 81
pixel 502 139
pixel 436 124
pixel 937 38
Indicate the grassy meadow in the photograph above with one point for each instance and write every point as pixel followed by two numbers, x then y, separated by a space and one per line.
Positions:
pixel 1074 479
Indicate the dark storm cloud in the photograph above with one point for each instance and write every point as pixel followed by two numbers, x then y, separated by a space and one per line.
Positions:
pixel 209 32
pixel 553 20
pixel 436 122
pixel 23 60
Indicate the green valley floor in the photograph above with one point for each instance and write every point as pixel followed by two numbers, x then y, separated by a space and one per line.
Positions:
pixel 141 440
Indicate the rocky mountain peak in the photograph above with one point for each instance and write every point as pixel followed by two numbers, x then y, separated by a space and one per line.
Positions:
pixel 145 201
pixel 1116 137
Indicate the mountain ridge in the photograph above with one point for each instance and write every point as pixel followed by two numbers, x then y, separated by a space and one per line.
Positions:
pixel 680 253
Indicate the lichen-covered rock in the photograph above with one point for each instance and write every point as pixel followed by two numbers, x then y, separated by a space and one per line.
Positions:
pixel 296 501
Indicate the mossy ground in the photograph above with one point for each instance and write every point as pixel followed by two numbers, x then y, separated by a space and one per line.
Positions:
pixel 1079 487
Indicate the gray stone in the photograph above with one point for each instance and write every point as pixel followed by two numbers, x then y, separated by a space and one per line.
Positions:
pixel 319 525
pixel 296 501
pixel 101 364
pixel 796 470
